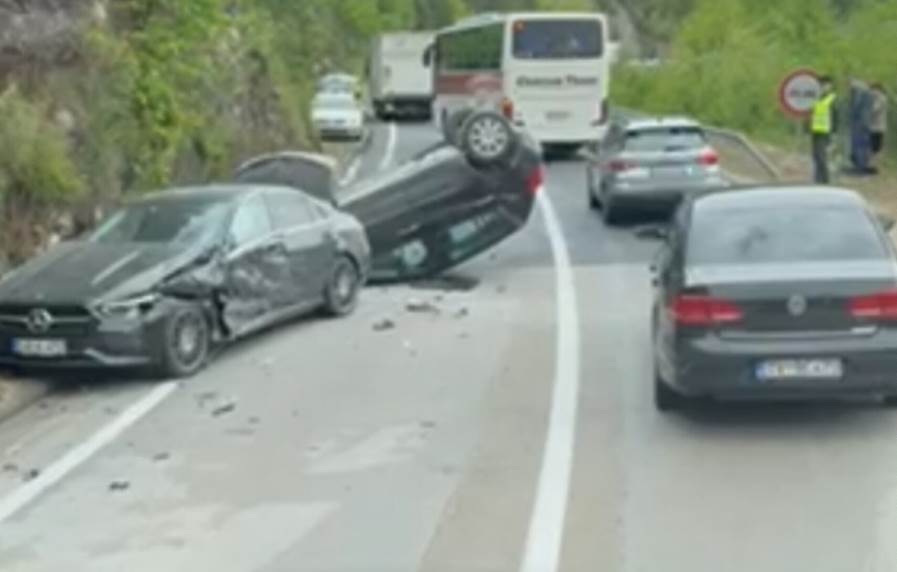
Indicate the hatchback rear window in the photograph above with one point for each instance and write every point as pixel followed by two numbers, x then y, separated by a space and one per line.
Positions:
pixel 668 140
pixel 782 234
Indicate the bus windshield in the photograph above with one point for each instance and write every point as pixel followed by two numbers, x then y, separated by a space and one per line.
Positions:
pixel 557 39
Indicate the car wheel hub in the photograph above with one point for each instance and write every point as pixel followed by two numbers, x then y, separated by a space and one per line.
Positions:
pixel 345 284
pixel 188 340
pixel 488 137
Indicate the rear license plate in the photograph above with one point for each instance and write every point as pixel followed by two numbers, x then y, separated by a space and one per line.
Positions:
pixel 677 172
pixel 40 348
pixel 785 369
pixel 557 115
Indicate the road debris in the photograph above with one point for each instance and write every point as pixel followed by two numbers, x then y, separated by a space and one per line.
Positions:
pixel 119 486
pixel 462 313
pixel 224 408
pixel 160 457
pixel 418 306
pixel 384 325
pixel 31 475
pixel 10 468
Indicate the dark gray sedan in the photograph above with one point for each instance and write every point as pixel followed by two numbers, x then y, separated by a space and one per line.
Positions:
pixel 775 293
pixel 171 275
pixel 648 165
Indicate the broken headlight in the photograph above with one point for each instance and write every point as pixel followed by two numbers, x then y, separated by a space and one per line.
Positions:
pixel 129 309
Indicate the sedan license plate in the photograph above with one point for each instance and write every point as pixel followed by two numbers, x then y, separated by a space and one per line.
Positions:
pixel 785 369
pixel 40 348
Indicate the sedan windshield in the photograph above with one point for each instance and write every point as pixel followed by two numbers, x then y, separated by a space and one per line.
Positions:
pixel 164 222
pixel 782 234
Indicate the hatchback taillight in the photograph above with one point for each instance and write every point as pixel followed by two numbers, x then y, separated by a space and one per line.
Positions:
pixel 535 180
pixel 689 310
pixel 507 108
pixel 709 158
pixel 618 166
pixel 878 306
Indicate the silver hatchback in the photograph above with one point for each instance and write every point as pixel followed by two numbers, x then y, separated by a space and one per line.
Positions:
pixel 648 165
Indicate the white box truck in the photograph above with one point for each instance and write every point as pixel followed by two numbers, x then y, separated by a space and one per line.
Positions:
pixel 401 83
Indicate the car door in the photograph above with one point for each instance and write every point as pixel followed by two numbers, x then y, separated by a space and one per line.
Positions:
pixel 258 271
pixel 307 237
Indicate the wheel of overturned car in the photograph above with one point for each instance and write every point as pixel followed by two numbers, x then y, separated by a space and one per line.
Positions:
pixel 186 342
pixel 343 287
pixel 487 138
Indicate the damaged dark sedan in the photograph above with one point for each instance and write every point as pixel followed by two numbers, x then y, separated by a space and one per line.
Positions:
pixel 175 274
pixel 436 210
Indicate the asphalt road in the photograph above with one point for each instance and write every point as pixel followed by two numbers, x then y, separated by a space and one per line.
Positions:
pixel 327 445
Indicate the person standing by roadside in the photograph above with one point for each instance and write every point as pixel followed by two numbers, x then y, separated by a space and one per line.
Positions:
pixel 823 126
pixel 859 113
pixel 878 119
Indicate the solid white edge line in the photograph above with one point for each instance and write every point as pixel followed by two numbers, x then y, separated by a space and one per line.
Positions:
pixel 24 495
pixel 546 528
pixel 351 172
pixel 391 140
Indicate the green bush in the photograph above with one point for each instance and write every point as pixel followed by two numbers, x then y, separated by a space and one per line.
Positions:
pixel 34 157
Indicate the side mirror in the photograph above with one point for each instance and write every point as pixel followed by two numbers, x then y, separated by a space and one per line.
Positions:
pixel 887 222
pixel 429 54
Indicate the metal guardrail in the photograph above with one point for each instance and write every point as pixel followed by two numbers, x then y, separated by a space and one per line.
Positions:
pixel 739 139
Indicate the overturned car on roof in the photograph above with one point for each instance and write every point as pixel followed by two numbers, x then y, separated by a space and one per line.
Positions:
pixel 436 210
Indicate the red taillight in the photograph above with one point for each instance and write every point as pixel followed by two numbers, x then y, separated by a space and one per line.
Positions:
pixel 704 311
pixel 535 180
pixel 618 166
pixel 507 108
pixel 709 158
pixel 878 306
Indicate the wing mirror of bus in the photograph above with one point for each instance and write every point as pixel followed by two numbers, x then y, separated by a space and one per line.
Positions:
pixel 887 222
pixel 429 54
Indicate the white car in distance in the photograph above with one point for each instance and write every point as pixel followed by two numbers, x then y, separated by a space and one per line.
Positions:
pixel 337 116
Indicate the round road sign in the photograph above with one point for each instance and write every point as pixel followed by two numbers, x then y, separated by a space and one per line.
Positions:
pixel 798 92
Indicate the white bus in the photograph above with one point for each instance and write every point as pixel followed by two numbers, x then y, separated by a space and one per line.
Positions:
pixel 548 72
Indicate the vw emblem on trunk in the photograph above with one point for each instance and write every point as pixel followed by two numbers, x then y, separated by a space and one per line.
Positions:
pixel 797 305
pixel 39 321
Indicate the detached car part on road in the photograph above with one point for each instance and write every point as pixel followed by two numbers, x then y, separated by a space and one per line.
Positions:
pixel 775 293
pixel 171 275
pixel 436 210
pixel 649 165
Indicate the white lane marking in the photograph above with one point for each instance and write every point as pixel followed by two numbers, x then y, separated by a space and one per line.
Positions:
pixel 351 172
pixel 392 136
pixel 546 528
pixel 31 490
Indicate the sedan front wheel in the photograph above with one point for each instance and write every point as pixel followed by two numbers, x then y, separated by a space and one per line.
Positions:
pixel 343 287
pixel 186 342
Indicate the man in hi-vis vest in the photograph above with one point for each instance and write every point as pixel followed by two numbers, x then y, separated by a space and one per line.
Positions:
pixel 823 126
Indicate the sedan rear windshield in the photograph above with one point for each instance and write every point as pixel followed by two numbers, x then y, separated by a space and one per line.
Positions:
pixel 557 39
pixel 667 140
pixel 783 234
pixel 164 222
